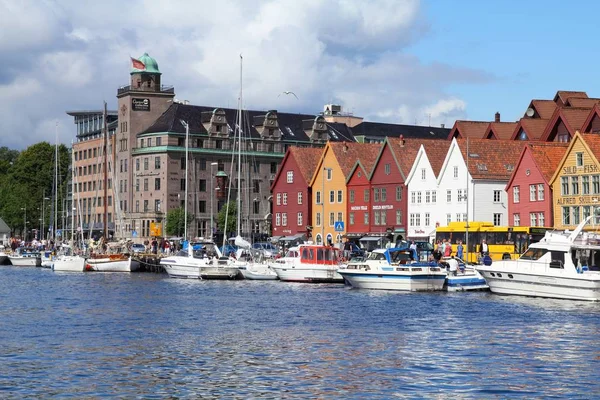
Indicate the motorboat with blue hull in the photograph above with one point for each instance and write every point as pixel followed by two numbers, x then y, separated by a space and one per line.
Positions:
pixel 394 269
pixel 563 265
pixel 465 278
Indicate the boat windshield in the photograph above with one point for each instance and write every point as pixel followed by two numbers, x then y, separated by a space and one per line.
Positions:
pixel 533 254
pixel 376 256
pixel 292 254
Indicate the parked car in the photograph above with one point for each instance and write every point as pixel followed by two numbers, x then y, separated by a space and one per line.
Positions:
pixel 138 248
pixel 268 249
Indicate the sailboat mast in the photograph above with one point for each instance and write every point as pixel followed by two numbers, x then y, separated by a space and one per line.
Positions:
pixel 105 174
pixel 239 161
pixel 467 198
pixel 55 184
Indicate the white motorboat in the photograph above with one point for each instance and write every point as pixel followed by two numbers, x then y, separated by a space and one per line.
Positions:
pixel 112 263
pixel 68 262
pixel 466 279
pixel 204 263
pixel 563 265
pixel 309 263
pixel 254 266
pixel 24 258
pixel 394 269
pixel 47 258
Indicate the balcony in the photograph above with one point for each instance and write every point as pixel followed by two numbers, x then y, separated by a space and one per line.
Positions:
pixel 129 88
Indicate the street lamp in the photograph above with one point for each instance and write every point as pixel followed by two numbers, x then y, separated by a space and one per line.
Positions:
pixel 24 223
pixel 212 195
pixel 187 134
pixel 325 170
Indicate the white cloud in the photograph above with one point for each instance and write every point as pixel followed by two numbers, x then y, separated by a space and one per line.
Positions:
pixel 350 52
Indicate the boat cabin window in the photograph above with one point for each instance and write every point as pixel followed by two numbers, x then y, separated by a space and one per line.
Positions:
pixel 533 254
pixel 308 254
pixel 557 260
pixel 320 254
pixel 292 254
pixel 376 256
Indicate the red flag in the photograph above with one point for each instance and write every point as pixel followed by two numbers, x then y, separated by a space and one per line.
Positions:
pixel 137 64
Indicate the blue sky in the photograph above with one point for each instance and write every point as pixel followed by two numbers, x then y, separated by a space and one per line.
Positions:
pixel 397 61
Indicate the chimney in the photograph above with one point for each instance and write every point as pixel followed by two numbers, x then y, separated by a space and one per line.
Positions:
pixel 443 125
pixel 401 140
pixel 497 117
pixel 345 148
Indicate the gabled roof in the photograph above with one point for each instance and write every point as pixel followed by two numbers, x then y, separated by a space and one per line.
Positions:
pixel 468 129
pixel 587 125
pixel 491 162
pixel 368 156
pixel 573 118
pixel 436 153
pixel 546 157
pixel 586 103
pixel 290 124
pixel 377 129
pixel 404 151
pixel 532 126
pixel 500 130
pixel 543 109
pixel 307 159
pixel 590 141
pixel 347 153
pixel 563 95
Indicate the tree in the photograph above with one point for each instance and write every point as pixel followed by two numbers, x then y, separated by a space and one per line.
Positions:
pixel 229 210
pixel 175 222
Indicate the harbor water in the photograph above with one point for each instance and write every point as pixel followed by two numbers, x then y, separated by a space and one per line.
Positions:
pixel 92 335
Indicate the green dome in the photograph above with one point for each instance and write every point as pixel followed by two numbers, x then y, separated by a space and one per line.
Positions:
pixel 150 63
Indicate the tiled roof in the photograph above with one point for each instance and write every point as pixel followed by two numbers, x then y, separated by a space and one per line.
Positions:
pixel 436 153
pixel 347 153
pixel 290 124
pixel 593 142
pixel 405 151
pixel 544 108
pixel 532 126
pixel 376 129
pixel 564 95
pixel 547 156
pixel 469 129
pixel 307 159
pixel 587 103
pixel 575 117
pixel 501 130
pixel 491 162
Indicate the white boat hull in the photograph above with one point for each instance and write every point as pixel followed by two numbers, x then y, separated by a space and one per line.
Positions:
pixel 405 281
pixel 258 272
pixel 584 286
pixel 106 265
pixel 19 261
pixel 194 268
pixel 69 264
pixel 316 274
pixel 467 281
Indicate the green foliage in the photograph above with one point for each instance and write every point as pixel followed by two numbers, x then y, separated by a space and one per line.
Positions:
pixel 229 209
pixel 175 222
pixel 26 178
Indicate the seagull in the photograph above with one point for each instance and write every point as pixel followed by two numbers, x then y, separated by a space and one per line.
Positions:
pixel 288 92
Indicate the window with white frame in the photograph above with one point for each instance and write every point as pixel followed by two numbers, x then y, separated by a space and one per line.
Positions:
pixel 497 219
pixel 449 196
pixel 455 172
pixel 285 199
pixel 383 217
pixel 283 219
pixel 497 196
pixel 366 218
pixel 575 185
pixel 540 191
pixel 427 197
pixel 329 173
pixel 418 197
pixel 412 219
pixel 418 219
pixel 383 194
pixel 448 218
pixel 340 217
pixel 595 184
pixel 398 193
pixel 300 220
pixel 541 219
pixel 576 215
pixel 434 196
pixel 299 197
pixel 388 169
pixel 332 196
pixel 376 195
pixel 516 195
pixel 564 185
pixel 427 219
pixel 339 196
pixel 317 198
pixel 290 177
pixel 398 217
pixel 351 218
pixel 278 199
pixel 423 174
pixel 366 194
pixel 318 219
pixel 566 215
pixel 458 217
pixel 331 219
pixel 459 195
pixel 351 195
pixel 532 219
pixel 377 220
pixel 532 192
pixel 585 184
pixel 464 217
pixel 585 209
pixel 516 219
pixel 278 219
pixel 413 197
pixel 579 159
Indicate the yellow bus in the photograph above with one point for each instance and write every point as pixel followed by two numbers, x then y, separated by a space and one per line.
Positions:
pixel 503 241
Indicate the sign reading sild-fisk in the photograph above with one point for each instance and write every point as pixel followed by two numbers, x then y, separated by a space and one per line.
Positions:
pixel 140 104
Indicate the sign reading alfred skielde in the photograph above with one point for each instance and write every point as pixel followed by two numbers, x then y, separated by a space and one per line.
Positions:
pixel 140 104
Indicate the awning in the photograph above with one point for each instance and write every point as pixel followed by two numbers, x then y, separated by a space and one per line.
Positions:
pixel 372 238
pixel 297 236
